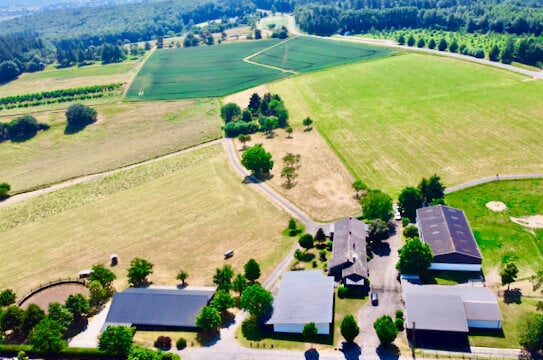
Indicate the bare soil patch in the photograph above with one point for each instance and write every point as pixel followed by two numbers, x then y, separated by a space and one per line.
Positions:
pixel 58 293
pixel 535 221
pixel 496 206
pixel 323 186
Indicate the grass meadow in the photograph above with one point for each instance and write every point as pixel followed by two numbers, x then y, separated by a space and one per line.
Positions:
pixel 179 213
pixel 403 117
pixel 303 54
pixel 203 71
pixel 125 133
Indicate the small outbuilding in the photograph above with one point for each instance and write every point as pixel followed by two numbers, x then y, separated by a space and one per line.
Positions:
pixel 446 230
pixel 304 297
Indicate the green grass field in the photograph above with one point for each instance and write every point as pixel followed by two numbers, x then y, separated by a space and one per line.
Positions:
pixel 203 71
pixel 303 54
pixel 398 119
pixel 500 239
pixel 125 133
pixel 179 213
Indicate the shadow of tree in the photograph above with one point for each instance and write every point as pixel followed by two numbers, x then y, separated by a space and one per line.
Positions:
pixel 311 354
pixel 208 338
pixel 512 296
pixel 388 352
pixel 351 351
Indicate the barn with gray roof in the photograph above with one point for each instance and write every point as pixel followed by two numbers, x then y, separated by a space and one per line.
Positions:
pixel 349 259
pixel 304 297
pixel 158 307
pixel 446 230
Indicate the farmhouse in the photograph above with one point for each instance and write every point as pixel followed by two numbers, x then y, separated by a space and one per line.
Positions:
pixel 448 312
pixel 348 263
pixel 304 297
pixel 158 307
pixel 446 230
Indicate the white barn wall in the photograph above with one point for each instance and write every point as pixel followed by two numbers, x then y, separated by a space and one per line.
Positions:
pixel 322 328
pixel 484 324
pixel 455 267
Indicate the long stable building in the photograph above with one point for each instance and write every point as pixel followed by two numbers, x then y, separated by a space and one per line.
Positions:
pixel 446 230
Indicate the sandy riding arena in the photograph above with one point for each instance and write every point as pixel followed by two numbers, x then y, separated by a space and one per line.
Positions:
pixel 56 293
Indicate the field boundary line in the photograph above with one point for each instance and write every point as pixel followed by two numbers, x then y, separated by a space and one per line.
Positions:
pixel 489 179
pixel 249 61
pixel 136 71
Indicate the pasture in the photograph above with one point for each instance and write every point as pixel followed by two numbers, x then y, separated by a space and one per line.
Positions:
pixel 403 117
pixel 203 71
pixel 179 213
pixel 303 54
pixel 125 133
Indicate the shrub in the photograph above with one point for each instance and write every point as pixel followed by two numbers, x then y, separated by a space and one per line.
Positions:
pixel 322 255
pixel 329 245
pixel 314 263
pixel 405 221
pixel 163 342
pixel 342 292
pixel 399 314
pixel 411 232
pixel 399 324
pixel 181 343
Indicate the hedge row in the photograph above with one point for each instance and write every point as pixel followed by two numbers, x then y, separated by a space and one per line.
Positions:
pixel 67 353
pixel 59 94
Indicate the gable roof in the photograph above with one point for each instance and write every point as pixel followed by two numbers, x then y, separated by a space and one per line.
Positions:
pixel 432 306
pixel 446 230
pixel 158 306
pixel 349 247
pixel 304 296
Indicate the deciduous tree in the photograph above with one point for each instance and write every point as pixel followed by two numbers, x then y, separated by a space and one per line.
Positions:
pixel 530 331
pixel 310 332
pixel 409 201
pixel 386 329
pixel 209 319
pixel 252 270
pixel 256 300
pixel 509 274
pixel 138 272
pixel 182 275
pixel 239 283
pixel 222 301
pixel 257 160
pixel 307 122
pixel 104 276
pixel 97 294
pixel 47 336
pixel 230 112
pixel 415 257
pixel 4 190
pixel 61 315
pixel 33 315
pixel 244 139
pixel 349 328
pixel 78 116
pixel 306 241
pixel 7 297
pixel 223 277
pixel 78 305
pixel 116 340
pixel 377 205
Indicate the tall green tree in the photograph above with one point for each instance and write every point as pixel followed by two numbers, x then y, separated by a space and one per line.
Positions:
pixel 252 270
pixel 257 160
pixel 4 190
pixel 138 272
pixel 182 275
pixel 7 297
pixel 431 189
pixel 442 45
pixel 530 331
pixel 377 205
pixel 509 274
pixel 97 293
pixel 306 241
pixel 116 340
pixel 78 305
pixel 223 277
pixel 349 328
pixel 254 103
pixel 47 336
pixel 12 319
pixel 78 116
pixel 240 283
pixel 256 300
pixel 209 319
pixel 415 257
pixel 310 332
pixel 104 276
pixel 222 301
pixel 494 53
pixel 61 315
pixel 385 329
pixel 409 201
pixel 33 315
pixel 230 112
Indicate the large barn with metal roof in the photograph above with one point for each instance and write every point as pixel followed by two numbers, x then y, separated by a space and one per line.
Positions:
pixel 158 307
pixel 446 230
pixel 304 297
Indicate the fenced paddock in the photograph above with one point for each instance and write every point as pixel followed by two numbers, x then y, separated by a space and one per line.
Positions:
pixel 53 291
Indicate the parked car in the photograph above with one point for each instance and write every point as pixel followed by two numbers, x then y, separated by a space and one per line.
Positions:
pixel 374 298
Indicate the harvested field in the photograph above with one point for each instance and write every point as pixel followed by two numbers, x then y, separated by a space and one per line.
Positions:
pixel 125 133
pixel 179 213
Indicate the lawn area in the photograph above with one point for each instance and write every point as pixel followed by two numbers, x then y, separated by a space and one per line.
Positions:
pixel 203 71
pixel 304 54
pixel 73 77
pixel 173 213
pixel 403 117
pixel 500 239
pixel 125 133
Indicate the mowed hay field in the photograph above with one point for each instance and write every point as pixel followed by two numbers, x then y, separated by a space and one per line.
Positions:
pixel 403 117
pixel 203 71
pixel 125 133
pixel 179 213
pixel 304 54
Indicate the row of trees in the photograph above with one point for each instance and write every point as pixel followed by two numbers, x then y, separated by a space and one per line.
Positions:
pixel 429 191
pixel 362 16
pixel 264 113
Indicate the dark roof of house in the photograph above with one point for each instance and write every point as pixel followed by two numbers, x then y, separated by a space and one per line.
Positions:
pixel 428 306
pixel 349 247
pixel 304 296
pixel 446 230
pixel 158 306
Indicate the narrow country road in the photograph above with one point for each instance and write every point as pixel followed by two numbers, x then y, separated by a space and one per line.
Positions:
pixel 485 180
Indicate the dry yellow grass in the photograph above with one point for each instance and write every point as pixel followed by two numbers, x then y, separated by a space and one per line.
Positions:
pixel 125 133
pixel 323 186
pixel 183 220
